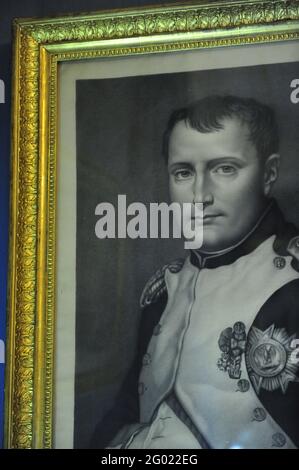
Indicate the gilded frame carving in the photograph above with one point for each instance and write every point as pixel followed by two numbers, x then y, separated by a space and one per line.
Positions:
pixel 40 44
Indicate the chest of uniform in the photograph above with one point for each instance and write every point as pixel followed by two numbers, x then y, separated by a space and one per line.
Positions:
pixel 210 311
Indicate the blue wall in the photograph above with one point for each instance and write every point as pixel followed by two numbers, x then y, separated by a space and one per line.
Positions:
pixel 4 186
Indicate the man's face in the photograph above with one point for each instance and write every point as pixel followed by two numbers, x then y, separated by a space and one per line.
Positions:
pixel 221 170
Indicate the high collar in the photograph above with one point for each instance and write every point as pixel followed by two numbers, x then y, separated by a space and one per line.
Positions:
pixel 270 223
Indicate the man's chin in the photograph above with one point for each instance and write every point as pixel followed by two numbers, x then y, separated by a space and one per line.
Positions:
pixel 211 241
pixel 213 244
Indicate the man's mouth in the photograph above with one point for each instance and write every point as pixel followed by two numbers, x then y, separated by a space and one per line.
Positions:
pixel 207 217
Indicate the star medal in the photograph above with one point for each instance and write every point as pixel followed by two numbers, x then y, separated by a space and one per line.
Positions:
pixel 268 359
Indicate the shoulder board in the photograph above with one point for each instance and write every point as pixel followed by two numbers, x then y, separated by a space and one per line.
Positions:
pixel 287 243
pixel 155 286
pixel 293 250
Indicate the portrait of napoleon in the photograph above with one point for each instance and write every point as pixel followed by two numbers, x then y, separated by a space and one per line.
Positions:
pixel 215 366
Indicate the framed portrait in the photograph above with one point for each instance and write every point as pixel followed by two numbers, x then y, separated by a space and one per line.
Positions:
pixel 92 99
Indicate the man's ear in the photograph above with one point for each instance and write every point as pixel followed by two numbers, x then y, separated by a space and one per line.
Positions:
pixel 271 170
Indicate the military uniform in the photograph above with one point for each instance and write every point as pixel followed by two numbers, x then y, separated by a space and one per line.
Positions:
pixel 216 366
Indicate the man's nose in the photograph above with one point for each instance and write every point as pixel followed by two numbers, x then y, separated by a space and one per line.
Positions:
pixel 202 191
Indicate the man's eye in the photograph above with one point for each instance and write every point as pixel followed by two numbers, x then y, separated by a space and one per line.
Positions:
pixel 225 170
pixel 182 174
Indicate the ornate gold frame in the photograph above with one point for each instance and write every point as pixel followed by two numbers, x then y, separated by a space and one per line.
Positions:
pixel 40 44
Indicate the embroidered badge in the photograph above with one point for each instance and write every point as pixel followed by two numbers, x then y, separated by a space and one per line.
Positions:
pixel 232 343
pixel 268 359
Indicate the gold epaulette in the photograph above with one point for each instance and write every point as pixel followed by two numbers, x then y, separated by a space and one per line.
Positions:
pixel 156 286
pixel 293 247
pixel 293 250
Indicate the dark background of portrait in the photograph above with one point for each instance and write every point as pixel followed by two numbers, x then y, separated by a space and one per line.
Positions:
pixel 120 123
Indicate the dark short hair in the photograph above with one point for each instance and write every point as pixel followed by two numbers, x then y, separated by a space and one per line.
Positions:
pixel 207 115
